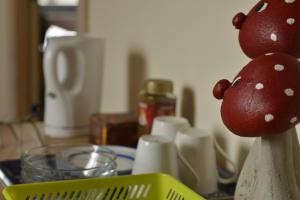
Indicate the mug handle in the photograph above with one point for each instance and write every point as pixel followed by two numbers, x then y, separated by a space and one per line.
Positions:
pixel 226 156
pixel 188 165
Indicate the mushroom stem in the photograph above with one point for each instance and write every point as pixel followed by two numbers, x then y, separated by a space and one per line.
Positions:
pixel 271 170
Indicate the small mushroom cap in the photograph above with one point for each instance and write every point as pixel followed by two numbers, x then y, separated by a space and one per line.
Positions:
pixel 264 98
pixel 271 26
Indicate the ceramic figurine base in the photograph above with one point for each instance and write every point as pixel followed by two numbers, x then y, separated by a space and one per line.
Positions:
pixel 272 169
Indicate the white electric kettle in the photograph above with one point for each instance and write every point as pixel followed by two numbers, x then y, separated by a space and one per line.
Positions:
pixel 73 73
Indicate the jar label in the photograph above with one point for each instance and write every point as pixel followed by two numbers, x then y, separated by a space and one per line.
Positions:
pixel 147 112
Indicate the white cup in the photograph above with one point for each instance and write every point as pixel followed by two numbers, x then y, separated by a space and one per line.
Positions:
pixel 156 154
pixel 197 147
pixel 167 126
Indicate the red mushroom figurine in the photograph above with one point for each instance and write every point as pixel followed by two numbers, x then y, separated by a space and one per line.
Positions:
pixel 264 98
pixel 263 101
pixel 270 26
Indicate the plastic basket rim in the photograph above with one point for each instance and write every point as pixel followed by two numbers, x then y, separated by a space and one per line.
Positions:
pixel 8 191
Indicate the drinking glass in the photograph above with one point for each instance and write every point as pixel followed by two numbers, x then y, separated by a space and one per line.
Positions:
pixel 63 162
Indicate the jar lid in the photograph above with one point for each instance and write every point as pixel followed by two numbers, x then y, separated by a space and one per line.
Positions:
pixel 158 86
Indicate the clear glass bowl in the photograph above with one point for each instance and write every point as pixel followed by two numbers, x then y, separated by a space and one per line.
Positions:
pixel 63 162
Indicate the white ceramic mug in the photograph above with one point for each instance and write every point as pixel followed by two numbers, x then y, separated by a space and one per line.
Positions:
pixel 167 126
pixel 155 154
pixel 197 147
pixel 158 154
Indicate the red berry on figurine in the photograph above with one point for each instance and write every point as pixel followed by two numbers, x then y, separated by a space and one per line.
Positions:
pixel 238 20
pixel 264 98
pixel 271 26
pixel 220 88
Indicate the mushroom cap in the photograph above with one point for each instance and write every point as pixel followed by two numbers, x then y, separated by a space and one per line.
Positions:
pixel 264 98
pixel 270 26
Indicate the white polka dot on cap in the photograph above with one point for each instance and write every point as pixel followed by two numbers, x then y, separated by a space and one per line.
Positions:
pixel 269 54
pixel 259 86
pixel 290 1
pixel 293 120
pixel 290 21
pixel 279 67
pixel 274 37
pixel 289 92
pixel 269 117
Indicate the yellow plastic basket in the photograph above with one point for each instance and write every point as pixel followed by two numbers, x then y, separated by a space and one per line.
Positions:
pixel 141 187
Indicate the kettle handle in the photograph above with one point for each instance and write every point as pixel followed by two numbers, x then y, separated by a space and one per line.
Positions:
pixel 50 65
pixel 73 66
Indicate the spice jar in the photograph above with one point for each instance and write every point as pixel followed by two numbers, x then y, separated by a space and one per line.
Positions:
pixel 155 99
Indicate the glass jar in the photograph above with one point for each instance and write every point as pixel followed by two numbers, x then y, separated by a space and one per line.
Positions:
pixel 155 99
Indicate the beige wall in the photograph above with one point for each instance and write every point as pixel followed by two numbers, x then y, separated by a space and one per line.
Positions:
pixel 7 62
pixel 191 42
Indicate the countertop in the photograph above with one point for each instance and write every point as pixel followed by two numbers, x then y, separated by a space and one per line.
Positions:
pixel 27 135
pixel 12 143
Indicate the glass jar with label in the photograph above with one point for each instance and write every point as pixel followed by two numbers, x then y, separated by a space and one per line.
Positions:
pixel 155 99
